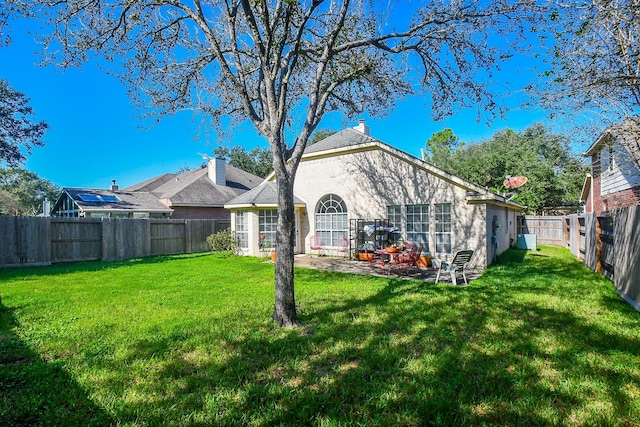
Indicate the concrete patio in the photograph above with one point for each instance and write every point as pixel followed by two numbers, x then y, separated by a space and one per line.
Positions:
pixel 345 265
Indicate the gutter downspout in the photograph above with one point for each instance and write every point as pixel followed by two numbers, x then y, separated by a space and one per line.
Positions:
pixel 592 195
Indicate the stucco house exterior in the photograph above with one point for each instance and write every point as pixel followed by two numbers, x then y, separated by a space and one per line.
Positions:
pixel 352 186
pixel 614 181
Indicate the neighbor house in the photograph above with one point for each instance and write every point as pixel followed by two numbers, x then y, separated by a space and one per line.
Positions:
pixel 353 190
pixel 197 194
pixel 112 203
pixel 614 181
pixel 200 193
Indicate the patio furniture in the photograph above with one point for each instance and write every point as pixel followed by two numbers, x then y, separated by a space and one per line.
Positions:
pixel 316 245
pixel 343 249
pixel 408 258
pixel 460 259
pixel 377 258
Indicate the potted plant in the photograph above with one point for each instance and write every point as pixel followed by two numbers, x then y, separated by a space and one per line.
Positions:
pixel 265 247
pixel 424 260
pixel 396 247
pixel 365 252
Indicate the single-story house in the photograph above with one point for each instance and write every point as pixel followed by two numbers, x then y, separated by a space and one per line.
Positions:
pixel 199 193
pixel 112 203
pixel 352 189
pixel 614 181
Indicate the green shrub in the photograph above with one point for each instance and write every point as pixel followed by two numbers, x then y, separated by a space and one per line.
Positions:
pixel 223 242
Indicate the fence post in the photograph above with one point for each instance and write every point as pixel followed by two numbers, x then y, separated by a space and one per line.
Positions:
pixel 577 231
pixel 598 246
pixel 187 236
pixel 106 240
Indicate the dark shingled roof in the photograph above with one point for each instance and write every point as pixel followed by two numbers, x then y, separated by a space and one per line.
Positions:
pixel 264 194
pixel 344 138
pixel 194 188
pixel 153 183
pixel 129 201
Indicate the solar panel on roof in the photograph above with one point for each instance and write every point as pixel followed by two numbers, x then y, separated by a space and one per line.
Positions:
pixel 89 197
pixel 98 198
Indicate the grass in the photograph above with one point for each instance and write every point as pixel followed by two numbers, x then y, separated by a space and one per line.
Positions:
pixel 187 340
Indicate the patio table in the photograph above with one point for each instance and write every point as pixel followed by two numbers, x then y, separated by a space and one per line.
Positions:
pixel 398 258
pixel 392 256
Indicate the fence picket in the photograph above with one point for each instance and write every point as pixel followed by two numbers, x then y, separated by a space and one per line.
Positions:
pixel 626 243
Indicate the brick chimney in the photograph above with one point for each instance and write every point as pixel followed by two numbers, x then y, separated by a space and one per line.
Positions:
pixel 216 169
pixel 362 127
pixel 114 186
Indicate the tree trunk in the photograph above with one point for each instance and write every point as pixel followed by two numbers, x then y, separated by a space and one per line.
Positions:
pixel 285 305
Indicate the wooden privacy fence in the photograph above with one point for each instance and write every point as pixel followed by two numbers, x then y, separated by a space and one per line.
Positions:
pixel 608 244
pixel 42 241
pixel 549 230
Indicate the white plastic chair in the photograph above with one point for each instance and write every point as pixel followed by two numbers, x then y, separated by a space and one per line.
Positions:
pixel 460 259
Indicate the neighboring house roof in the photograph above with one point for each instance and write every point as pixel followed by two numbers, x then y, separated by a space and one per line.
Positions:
pixel 152 183
pixel 351 140
pixel 263 196
pixel 97 200
pixel 627 132
pixel 195 188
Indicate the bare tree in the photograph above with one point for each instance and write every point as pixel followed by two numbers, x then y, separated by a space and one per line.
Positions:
pixel 11 10
pixel 595 62
pixel 282 64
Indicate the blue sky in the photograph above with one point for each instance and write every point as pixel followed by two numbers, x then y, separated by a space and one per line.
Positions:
pixel 95 134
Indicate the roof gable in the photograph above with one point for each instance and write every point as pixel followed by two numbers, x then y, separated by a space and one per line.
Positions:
pixel 346 138
pixel 194 188
pixel 627 131
pixel 350 140
pixel 264 195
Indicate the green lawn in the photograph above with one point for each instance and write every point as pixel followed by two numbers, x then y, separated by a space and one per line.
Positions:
pixel 188 340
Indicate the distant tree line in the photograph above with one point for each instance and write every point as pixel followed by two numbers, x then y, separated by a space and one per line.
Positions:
pixel 21 192
pixel 555 173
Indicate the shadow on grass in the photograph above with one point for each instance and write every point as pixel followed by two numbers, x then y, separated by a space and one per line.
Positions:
pixel 509 350
pixel 410 353
pixel 36 391
pixel 88 266
pixel 392 359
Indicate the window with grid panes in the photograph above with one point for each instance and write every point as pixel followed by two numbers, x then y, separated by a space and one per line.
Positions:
pixel 242 229
pixel 332 224
pixel 394 215
pixel 267 223
pixel 418 224
pixel 443 228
